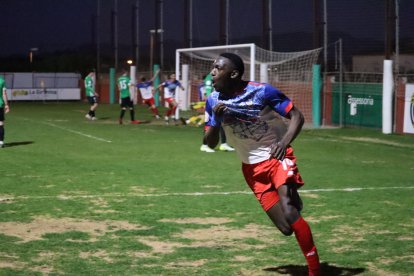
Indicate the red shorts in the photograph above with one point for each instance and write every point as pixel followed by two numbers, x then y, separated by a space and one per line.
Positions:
pixel 266 177
pixel 149 102
pixel 169 100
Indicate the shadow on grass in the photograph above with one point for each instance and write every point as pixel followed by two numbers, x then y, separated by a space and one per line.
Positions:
pixel 326 269
pixel 14 144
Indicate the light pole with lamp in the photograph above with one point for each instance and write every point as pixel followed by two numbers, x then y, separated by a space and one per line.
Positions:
pixel 31 51
pixel 31 55
pixel 152 46
pixel 132 76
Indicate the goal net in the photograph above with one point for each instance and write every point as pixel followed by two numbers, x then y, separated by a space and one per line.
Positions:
pixel 290 72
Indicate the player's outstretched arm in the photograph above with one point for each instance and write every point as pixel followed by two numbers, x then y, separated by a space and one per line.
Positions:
pixel 155 75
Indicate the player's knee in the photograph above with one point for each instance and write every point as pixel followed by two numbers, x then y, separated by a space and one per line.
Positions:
pixel 287 231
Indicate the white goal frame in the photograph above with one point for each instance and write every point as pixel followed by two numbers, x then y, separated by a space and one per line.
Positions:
pixel 291 72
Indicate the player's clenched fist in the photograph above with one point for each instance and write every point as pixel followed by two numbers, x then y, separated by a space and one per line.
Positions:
pixel 219 109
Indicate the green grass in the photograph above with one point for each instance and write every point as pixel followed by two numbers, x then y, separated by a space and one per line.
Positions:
pixel 98 198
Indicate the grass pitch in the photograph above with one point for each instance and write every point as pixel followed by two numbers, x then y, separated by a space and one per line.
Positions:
pixel 97 198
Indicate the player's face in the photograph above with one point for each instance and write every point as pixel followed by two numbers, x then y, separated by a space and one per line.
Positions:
pixel 221 74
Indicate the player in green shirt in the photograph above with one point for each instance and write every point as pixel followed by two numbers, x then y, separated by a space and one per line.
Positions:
pixel 91 95
pixel 4 108
pixel 124 84
pixel 208 85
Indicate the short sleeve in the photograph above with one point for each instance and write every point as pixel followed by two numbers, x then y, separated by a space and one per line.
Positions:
pixel 277 100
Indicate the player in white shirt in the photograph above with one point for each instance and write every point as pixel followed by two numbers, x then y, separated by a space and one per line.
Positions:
pixel 146 90
pixel 169 87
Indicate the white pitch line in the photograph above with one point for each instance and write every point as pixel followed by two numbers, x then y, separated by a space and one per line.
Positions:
pixel 66 197
pixel 78 132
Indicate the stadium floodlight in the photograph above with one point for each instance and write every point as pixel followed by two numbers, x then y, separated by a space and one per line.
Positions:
pixel 291 72
pixel 31 51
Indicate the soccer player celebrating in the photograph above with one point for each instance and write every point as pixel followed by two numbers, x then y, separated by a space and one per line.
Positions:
pixel 169 87
pixel 91 95
pixel 250 114
pixel 4 108
pixel 146 89
pixel 124 82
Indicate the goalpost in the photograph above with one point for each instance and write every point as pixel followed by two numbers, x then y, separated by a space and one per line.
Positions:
pixel 290 72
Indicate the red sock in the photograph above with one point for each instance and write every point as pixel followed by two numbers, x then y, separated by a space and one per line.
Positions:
pixel 303 235
pixel 155 111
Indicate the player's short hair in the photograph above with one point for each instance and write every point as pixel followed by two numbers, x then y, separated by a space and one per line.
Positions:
pixel 236 60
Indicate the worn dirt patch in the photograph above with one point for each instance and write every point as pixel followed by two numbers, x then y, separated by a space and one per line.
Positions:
pixel 379 272
pixel 321 218
pixel 242 258
pixel 216 236
pixel 99 202
pixel 179 264
pixel 6 199
pixel 40 226
pixel 101 254
pixel 158 246
pixel 12 264
pixel 198 220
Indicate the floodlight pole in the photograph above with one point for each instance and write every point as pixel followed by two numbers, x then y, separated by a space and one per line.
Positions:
pixel 31 51
pixel 153 35
pixel 115 30
pixel 98 39
pixel 325 36
pixel 137 33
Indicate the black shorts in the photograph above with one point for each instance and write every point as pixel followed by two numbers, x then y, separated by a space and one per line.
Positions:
pixel 126 102
pixel 92 100
pixel 2 114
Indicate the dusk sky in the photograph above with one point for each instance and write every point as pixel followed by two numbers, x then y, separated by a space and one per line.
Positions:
pixel 52 25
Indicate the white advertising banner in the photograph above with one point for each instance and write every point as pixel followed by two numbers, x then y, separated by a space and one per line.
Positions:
pixel 409 109
pixel 47 94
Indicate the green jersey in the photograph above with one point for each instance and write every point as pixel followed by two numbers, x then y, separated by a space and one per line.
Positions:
pixel 208 85
pixel 123 86
pixel 2 87
pixel 89 86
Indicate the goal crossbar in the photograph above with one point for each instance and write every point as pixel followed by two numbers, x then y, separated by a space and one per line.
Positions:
pixel 252 47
